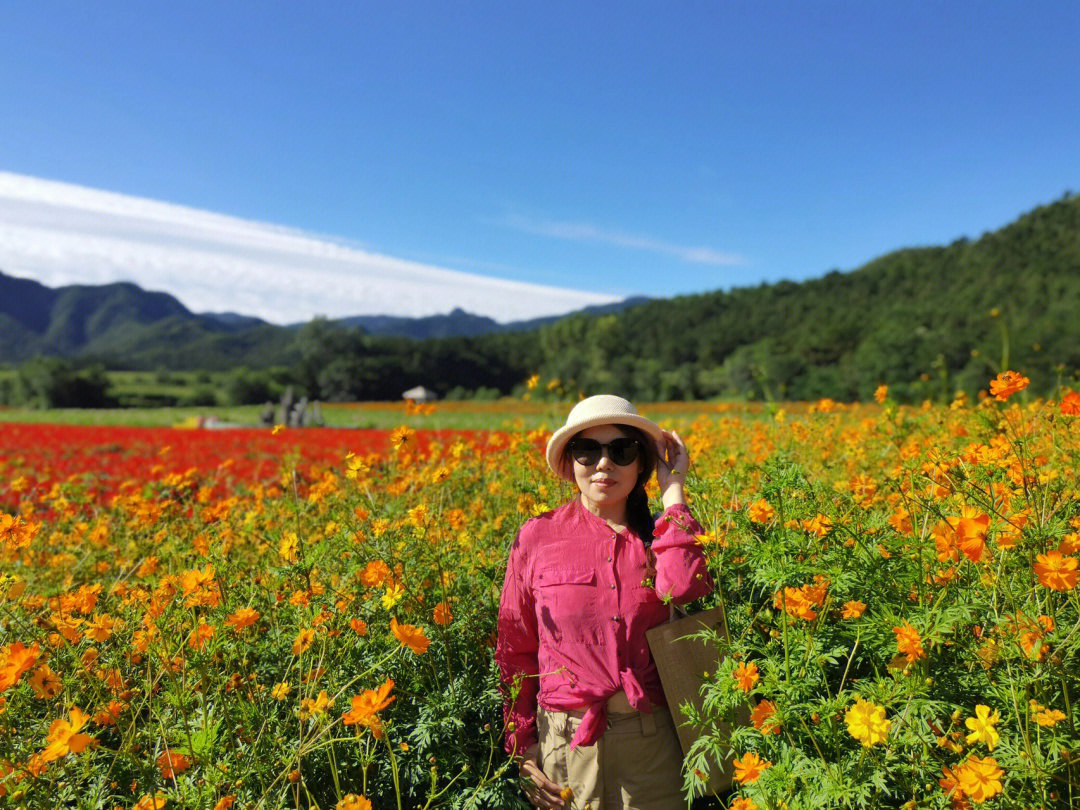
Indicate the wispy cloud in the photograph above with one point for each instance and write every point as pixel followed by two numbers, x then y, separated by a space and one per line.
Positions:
pixel 58 233
pixel 584 232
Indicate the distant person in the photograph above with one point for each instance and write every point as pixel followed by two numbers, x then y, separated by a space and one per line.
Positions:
pixel 583 584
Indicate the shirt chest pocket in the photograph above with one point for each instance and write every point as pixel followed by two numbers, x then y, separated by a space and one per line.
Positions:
pixel 566 602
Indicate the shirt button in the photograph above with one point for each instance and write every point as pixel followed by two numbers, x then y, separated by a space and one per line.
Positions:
pixel 615 619
pixel 612 587
pixel 609 559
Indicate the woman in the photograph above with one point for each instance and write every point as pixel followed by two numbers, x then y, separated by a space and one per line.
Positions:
pixel 583 584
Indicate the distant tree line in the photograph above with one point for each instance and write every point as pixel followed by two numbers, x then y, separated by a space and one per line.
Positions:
pixel 927 321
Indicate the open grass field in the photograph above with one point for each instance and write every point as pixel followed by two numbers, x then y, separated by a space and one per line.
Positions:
pixel 252 618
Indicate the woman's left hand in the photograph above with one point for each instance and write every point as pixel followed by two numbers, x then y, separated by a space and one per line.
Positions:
pixel 672 462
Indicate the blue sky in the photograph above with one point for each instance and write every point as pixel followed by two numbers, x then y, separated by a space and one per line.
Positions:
pixel 614 148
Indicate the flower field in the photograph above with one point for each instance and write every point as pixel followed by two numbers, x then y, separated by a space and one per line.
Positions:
pixel 305 618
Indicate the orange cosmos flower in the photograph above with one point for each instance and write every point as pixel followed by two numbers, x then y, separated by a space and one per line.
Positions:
pixel 1045 717
pixel 863 488
pixel 909 642
pixel 801 602
pixel 148 802
pixel 170 763
pixel 1056 571
pixel 762 716
pixel 196 579
pixel 749 768
pixel 15 660
pixel 979 778
pixel 944 535
pixel 745 675
pixel 350 801
pixel 1006 384
pixel 819 525
pixel 359 626
pixel 46 683
pixel 244 617
pixel 64 736
pixel 442 615
pixel 1030 634
pixel 1070 543
pixel 1070 403
pixel 743 804
pixel 401 436
pixel 225 802
pixel 110 714
pixel 410 636
pixel 953 793
pixel 971 533
pixel 366 706
pixel 853 609
pixel 761 511
pixel 375 573
pixel 15 533
pixel 795 602
pixel 901 521
pixel 100 628
pixel 303 641
pixel 200 635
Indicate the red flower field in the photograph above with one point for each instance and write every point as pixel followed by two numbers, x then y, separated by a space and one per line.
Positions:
pixel 104 461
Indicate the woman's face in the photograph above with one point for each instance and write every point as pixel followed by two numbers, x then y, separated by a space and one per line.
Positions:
pixel 605 483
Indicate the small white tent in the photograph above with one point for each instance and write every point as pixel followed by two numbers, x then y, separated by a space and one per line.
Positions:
pixel 420 394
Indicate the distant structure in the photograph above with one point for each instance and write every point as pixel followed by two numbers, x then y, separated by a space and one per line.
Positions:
pixel 293 412
pixel 420 394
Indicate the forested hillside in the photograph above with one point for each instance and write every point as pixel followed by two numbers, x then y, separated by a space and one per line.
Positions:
pixel 927 321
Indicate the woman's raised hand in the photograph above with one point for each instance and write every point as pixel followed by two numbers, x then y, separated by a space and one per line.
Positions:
pixel 672 462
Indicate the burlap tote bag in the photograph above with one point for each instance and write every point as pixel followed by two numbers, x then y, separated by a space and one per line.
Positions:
pixel 681 663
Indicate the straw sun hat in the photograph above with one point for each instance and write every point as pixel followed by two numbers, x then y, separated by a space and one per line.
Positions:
pixel 602 409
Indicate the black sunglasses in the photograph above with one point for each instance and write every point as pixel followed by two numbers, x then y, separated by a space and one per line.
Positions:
pixel 622 451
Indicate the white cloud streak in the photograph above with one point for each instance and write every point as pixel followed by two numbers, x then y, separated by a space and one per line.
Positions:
pixel 584 232
pixel 58 233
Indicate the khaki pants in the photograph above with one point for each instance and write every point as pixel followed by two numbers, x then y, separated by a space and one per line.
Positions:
pixel 635 765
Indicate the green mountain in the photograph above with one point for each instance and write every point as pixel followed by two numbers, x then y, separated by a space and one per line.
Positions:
pixel 81 319
pixel 459 323
pixel 126 326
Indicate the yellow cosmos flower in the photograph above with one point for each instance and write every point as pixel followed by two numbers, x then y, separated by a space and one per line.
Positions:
pixel 310 708
pixel 394 593
pixel 982 726
pixel 866 722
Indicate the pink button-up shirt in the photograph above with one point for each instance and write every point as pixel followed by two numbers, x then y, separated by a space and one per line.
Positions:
pixel 576 603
